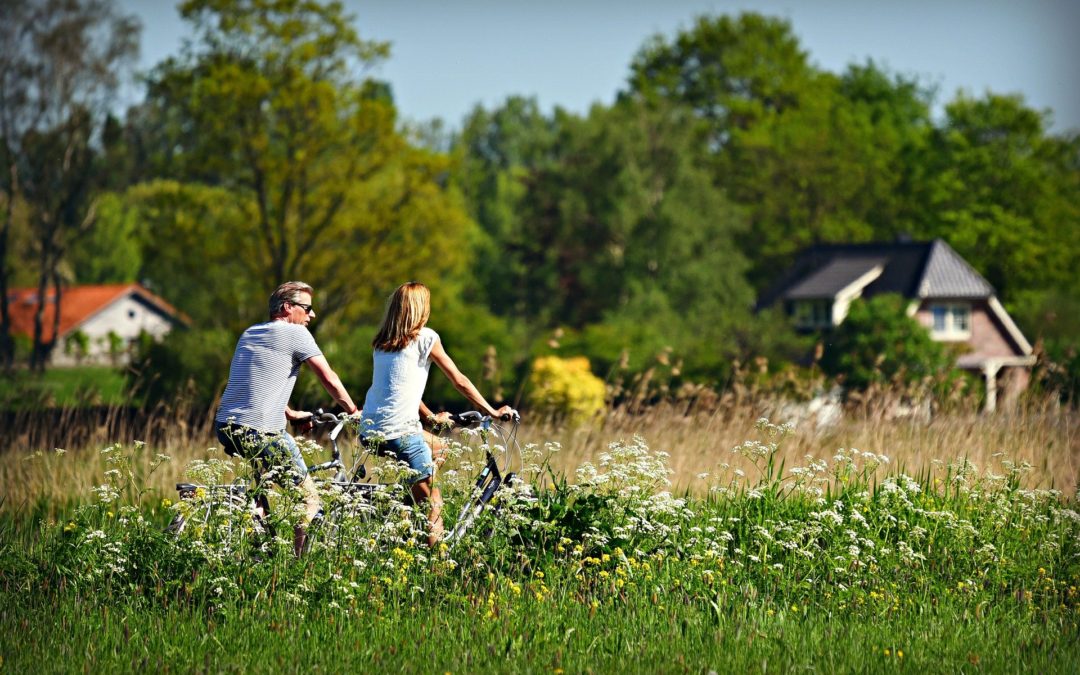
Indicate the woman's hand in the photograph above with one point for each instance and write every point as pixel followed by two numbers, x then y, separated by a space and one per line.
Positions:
pixel 505 413
pixel 443 420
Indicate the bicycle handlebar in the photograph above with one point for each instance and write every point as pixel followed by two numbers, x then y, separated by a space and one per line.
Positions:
pixel 470 418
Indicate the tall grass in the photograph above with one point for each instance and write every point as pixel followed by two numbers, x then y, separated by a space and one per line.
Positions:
pixel 849 563
pixel 1043 435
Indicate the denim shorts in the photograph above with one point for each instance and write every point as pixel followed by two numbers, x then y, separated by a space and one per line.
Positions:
pixel 411 449
pixel 265 450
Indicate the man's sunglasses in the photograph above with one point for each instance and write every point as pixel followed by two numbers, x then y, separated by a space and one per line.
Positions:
pixel 306 308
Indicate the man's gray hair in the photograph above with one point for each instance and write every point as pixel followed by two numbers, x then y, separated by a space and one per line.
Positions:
pixel 287 292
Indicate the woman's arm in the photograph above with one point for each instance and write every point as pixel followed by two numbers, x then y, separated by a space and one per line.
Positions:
pixel 463 384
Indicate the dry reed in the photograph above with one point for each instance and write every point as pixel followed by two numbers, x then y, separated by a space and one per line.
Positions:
pixel 1043 435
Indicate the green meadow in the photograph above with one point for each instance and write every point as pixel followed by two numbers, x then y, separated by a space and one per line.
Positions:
pixel 845 562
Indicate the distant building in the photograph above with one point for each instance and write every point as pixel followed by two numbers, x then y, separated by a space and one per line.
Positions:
pixel 952 300
pixel 110 317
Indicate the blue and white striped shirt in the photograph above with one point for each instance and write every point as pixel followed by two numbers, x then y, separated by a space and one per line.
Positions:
pixel 262 375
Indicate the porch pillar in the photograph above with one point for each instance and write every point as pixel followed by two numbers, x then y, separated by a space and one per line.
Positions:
pixel 990 370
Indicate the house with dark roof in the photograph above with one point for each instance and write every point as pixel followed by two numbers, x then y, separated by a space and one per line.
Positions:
pixel 947 296
pixel 97 323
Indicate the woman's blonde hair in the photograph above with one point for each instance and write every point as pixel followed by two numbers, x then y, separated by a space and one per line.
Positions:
pixel 406 313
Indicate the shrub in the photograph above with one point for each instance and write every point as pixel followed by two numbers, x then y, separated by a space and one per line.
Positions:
pixel 566 387
pixel 188 366
pixel 879 344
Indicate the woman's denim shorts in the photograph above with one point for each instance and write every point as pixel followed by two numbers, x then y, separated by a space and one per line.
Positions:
pixel 411 449
pixel 264 450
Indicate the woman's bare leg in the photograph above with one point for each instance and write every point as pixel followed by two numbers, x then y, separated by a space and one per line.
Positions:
pixel 422 491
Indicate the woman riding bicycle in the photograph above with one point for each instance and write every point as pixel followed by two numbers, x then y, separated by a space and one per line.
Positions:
pixel 404 351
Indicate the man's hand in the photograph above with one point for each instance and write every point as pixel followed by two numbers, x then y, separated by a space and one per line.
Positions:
pixel 302 421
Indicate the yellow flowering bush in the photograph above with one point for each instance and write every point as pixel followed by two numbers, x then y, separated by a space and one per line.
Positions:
pixel 567 387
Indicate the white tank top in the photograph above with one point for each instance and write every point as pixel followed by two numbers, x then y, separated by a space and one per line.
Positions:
pixel 392 405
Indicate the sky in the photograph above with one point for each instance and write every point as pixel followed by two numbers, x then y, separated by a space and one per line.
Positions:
pixel 448 56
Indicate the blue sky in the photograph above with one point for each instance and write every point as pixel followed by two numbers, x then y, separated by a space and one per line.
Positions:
pixel 447 56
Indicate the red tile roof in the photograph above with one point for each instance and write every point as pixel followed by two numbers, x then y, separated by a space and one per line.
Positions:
pixel 79 303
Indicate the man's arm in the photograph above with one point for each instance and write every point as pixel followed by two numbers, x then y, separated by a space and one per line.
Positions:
pixel 332 383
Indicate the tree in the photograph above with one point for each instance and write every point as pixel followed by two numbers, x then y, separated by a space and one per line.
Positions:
pixel 878 343
pixel 60 62
pixel 498 150
pixel 732 71
pixel 811 156
pixel 1006 194
pixel 266 111
pixel 110 252
pixel 620 224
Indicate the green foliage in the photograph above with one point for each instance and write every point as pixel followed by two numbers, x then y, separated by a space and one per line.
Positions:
pixel 566 387
pixel 111 252
pixel 1052 320
pixel 187 367
pixel 878 343
pixel 309 175
pixel 68 388
pixel 609 226
pixel 196 252
pixel 732 71
pixel 77 344
pixel 1006 194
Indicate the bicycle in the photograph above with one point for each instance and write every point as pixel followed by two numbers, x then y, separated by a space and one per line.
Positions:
pixel 227 514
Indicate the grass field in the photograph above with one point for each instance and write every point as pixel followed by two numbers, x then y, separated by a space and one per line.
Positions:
pixel 64 387
pixel 847 560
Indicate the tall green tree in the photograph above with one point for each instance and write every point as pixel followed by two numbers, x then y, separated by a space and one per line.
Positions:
pixel 626 228
pixel 810 155
pixel 497 151
pixel 268 107
pixel 732 71
pixel 1005 194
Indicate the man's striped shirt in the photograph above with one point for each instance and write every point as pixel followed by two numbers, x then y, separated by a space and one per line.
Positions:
pixel 263 372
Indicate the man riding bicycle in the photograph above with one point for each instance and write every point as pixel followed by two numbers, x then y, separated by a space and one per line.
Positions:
pixel 254 410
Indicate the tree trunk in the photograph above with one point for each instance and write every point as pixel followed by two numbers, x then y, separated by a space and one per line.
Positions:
pixel 7 344
pixel 39 352
pixel 58 295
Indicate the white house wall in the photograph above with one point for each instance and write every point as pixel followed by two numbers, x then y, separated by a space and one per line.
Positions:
pixel 127 318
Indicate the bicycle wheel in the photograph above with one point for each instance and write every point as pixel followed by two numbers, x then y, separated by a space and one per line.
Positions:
pixel 350 515
pixel 219 517
pixel 502 460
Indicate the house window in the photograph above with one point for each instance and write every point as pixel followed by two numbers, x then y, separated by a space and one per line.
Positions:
pixel 952 321
pixel 812 313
